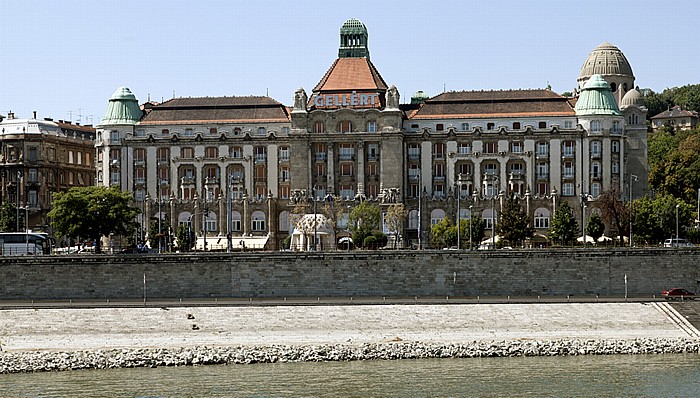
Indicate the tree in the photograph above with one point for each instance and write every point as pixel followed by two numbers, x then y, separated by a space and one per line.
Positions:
pixel 93 212
pixel 185 238
pixel 564 226
pixel 364 219
pixel 477 230
pixel 655 219
pixel 514 224
pixel 614 211
pixel 595 226
pixel 678 174
pixel 395 219
pixel 443 234
pixel 8 217
pixel 158 239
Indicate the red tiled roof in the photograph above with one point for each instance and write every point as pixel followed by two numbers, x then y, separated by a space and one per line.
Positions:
pixel 347 74
pixel 254 109
pixel 507 103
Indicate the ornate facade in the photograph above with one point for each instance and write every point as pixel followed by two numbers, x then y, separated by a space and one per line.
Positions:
pixel 40 157
pixel 244 164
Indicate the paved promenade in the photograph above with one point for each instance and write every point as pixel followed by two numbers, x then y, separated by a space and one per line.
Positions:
pixel 102 328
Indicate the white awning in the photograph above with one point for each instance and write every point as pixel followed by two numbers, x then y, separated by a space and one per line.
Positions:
pixel 219 243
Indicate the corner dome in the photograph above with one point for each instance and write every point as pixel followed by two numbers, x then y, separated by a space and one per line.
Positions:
pixel 419 97
pixel 596 98
pixel 633 98
pixel 606 59
pixel 123 109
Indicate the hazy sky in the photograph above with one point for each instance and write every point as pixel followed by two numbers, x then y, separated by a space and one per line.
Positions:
pixel 66 58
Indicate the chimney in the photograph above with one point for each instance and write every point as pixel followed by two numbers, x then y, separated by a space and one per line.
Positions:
pixel 34 112
pixel 10 115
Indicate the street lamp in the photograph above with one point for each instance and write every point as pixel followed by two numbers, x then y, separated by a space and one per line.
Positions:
pixel 470 226
pixel 493 211
pixel 313 192
pixel 229 221
pixel 584 199
pixel 677 237
pixel 632 178
pixel 459 216
pixel 420 224
pixel 204 226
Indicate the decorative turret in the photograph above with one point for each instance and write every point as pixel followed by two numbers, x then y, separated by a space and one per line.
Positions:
pixel 353 40
pixel 596 98
pixel 123 109
pixel 419 97
pixel 609 62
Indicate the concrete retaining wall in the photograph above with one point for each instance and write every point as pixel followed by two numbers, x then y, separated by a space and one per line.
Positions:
pixel 383 273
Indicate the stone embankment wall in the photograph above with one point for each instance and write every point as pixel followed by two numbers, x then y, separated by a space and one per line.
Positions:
pixel 358 273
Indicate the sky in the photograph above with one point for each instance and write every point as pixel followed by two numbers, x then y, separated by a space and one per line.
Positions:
pixel 64 59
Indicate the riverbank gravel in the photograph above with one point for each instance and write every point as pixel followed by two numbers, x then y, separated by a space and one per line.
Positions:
pixel 60 339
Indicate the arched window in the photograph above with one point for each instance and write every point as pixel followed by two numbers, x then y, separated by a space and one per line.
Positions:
pixel 613 87
pixel 595 189
pixel 595 148
pixel 235 221
pixel 258 221
pixel 615 146
pixel 595 170
pixel 413 219
pixel 595 126
pixel 210 222
pixel 616 129
pixel 488 216
pixel 319 127
pixel 284 224
pixel 436 216
pixel 542 218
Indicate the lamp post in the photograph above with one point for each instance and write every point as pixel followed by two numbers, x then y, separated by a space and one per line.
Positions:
pixel 313 191
pixel 229 221
pixel 584 199
pixel 189 231
pixel 632 178
pixel 493 211
pixel 204 226
pixel 420 213
pixel 19 182
pixel 677 236
pixel 459 216
pixel 160 230
pixel 470 226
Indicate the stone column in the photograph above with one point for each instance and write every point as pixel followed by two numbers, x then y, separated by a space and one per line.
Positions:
pixel 272 221
pixel 360 167
pixel 197 220
pixel 246 216
pixel 222 216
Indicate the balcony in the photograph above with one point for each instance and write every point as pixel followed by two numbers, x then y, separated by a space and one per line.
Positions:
pixel 372 178
pixel 321 157
pixel 413 177
pixel 568 155
pixel 413 156
pixel 373 157
pixel 596 176
pixel 542 175
pixel 140 181
pixel 284 157
pixel 542 155
pixel 346 156
pixel 260 158
pixel 139 162
pixel 568 175
pixel 439 178
pixel 211 181
pixel 595 155
pixel 438 156
pixel 187 180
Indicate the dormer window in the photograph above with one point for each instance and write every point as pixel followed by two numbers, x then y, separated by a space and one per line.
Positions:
pixel 490 126
pixel 439 127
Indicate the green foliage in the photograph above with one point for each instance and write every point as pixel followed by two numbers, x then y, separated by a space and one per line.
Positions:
pixel 688 97
pixel 364 220
pixel 568 94
pixel 375 241
pixel 595 226
pixel 8 217
pixel 93 212
pixel 564 227
pixel 156 237
pixel 614 212
pixel 443 234
pixel 655 219
pixel 185 238
pixel 514 224
pixel 395 219
pixel 287 242
pixel 677 173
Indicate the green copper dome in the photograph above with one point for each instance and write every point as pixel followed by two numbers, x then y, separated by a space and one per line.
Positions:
pixel 419 97
pixel 596 98
pixel 123 109
pixel 353 26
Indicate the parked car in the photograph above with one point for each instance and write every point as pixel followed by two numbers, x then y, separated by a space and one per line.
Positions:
pixel 677 242
pixel 677 293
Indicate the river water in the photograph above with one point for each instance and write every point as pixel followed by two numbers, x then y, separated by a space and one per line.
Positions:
pixel 675 375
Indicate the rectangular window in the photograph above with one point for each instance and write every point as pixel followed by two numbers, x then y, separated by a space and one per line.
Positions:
pixel 189 132
pixel 372 126
pixel 372 169
pixel 465 126
pixel 567 189
pixel 568 124
pixel 284 154
pixel 346 191
pixel 516 147
pixel 438 151
pixel 465 148
pixel 211 152
pixel 33 153
pixel 70 157
pixel 261 130
pixel 490 147
pixel 373 152
pixel 320 169
pixel 235 152
pixel 33 175
pixel 162 154
pixel 346 152
pixel 33 198
pixel 346 169
pixel 568 148
pixel 284 192
pixel 542 149
pixel 568 169
pixel 413 152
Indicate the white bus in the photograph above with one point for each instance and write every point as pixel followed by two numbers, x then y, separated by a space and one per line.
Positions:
pixel 21 243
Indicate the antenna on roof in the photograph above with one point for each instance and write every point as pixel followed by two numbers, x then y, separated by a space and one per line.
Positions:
pixel 267 92
pixel 149 97
pixel 443 87
pixel 173 93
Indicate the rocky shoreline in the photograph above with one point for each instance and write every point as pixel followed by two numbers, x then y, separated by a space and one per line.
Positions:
pixel 44 361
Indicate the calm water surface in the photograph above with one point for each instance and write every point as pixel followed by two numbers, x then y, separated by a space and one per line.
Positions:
pixel 589 376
